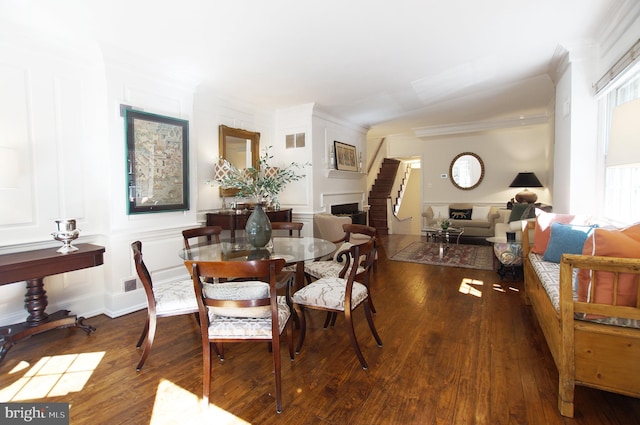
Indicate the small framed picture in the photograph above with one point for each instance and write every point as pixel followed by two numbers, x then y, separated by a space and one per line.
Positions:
pixel 345 156
pixel 157 163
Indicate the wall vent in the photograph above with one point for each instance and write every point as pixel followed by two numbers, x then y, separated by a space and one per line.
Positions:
pixel 130 285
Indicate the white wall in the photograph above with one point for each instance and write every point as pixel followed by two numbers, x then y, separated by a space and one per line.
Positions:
pixel 504 152
pixel 331 186
pixel 52 96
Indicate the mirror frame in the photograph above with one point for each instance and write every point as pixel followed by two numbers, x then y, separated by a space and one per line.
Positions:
pixel 225 132
pixel 481 171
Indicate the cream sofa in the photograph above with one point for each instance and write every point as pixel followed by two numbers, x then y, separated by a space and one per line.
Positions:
pixel 481 224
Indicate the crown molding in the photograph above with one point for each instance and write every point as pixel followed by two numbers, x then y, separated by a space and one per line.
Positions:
pixel 475 126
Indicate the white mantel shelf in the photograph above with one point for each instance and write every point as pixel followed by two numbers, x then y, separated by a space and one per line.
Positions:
pixel 340 174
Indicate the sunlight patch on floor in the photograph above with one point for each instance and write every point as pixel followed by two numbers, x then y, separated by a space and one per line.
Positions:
pixel 175 405
pixel 467 287
pixel 51 376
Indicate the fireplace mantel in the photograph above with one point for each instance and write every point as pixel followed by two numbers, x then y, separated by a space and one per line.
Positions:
pixel 341 174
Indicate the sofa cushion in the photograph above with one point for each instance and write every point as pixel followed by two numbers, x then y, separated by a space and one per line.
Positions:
pixel 441 211
pixel 565 239
pixel 480 212
pixel 482 224
pixel 623 243
pixel 460 213
pixel 542 232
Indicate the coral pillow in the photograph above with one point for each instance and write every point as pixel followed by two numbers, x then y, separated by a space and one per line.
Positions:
pixel 543 229
pixel 624 243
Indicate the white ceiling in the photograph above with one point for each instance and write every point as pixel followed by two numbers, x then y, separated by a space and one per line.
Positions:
pixel 392 65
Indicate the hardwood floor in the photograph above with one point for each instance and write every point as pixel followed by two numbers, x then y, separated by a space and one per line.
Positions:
pixel 460 347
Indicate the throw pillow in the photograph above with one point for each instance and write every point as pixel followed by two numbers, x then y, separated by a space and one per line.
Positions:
pixel 623 243
pixel 245 290
pixel 521 211
pixel 543 229
pixel 480 213
pixel 565 239
pixel 440 210
pixel 460 213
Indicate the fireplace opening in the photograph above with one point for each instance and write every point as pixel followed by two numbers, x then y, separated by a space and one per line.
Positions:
pixel 350 210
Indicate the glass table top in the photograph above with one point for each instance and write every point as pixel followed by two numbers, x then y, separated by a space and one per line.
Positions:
pixel 291 249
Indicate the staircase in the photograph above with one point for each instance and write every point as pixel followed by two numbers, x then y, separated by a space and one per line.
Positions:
pixel 380 192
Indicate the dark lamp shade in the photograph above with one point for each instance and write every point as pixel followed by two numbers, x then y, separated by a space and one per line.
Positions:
pixel 526 180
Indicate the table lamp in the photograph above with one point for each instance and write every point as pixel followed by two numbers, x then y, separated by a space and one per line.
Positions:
pixel 526 180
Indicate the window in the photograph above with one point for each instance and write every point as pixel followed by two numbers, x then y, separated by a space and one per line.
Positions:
pixel 622 183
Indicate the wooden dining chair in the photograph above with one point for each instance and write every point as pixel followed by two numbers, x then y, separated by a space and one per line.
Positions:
pixel 294 228
pixel 354 234
pixel 163 300
pixel 341 294
pixel 240 311
pixel 211 233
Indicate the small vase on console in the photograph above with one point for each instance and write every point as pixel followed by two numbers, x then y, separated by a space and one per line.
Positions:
pixel 258 227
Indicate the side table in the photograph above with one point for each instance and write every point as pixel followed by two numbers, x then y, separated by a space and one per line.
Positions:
pixel 33 267
pixel 509 255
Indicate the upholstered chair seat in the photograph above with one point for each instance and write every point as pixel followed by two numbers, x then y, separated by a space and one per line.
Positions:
pixel 329 292
pixel 321 269
pixel 248 327
pixel 175 298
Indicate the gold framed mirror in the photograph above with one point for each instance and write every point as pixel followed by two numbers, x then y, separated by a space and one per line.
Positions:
pixel 239 147
pixel 466 171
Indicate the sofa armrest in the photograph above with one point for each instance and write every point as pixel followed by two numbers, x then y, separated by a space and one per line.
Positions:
pixel 427 214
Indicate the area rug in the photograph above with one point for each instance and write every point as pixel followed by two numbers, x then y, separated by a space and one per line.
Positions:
pixel 466 256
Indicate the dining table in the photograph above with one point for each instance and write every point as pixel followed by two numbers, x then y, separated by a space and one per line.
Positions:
pixel 294 250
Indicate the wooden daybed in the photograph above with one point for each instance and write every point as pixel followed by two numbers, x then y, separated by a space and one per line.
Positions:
pixel 597 355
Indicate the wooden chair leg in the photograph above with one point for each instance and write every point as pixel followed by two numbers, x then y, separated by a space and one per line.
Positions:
pixel 290 340
pixel 303 326
pixel 354 341
pixel 327 320
pixel 277 367
pixel 144 333
pixel 367 313
pixel 151 333
pixel 206 372
pixel 220 350
pixel 373 308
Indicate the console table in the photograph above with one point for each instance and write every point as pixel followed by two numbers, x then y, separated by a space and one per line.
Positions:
pixel 33 267
pixel 233 220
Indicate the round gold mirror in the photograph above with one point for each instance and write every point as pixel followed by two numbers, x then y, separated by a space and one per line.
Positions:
pixel 466 171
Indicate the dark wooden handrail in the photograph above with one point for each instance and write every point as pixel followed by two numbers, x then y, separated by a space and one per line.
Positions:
pixel 373 159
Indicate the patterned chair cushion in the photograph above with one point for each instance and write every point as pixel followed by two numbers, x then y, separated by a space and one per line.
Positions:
pixel 329 268
pixel 247 327
pixel 175 298
pixel 321 269
pixel 243 290
pixel 329 293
